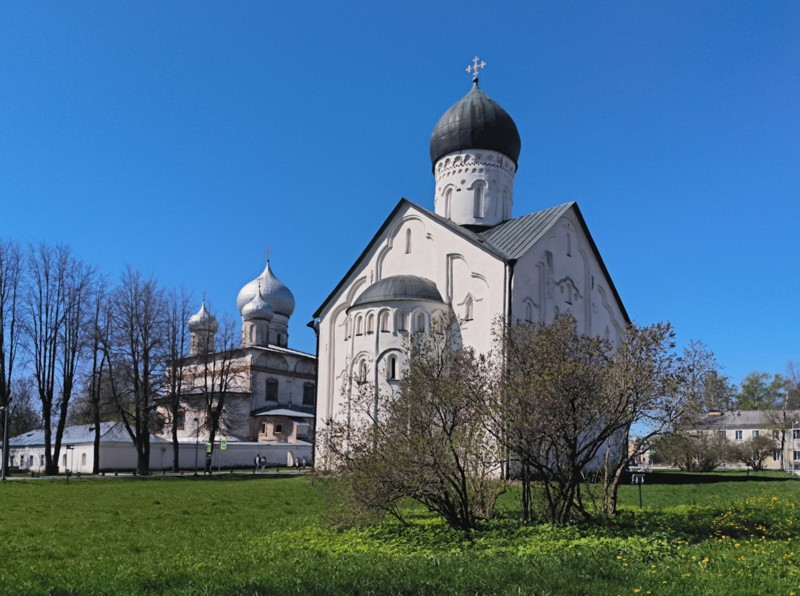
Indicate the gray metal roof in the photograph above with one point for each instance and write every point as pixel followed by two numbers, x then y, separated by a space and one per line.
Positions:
pixel 283 412
pixel 110 432
pixel 517 236
pixel 399 287
pixel 475 122
pixel 746 419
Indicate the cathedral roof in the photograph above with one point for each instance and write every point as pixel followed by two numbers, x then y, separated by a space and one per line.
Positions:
pixel 507 241
pixel 399 287
pixel 274 292
pixel 475 122
pixel 517 236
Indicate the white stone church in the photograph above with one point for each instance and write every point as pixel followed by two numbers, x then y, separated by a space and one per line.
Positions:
pixel 468 256
pixel 269 389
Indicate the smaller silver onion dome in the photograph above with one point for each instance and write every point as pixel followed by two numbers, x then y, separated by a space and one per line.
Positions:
pixel 202 320
pixel 273 291
pixel 257 308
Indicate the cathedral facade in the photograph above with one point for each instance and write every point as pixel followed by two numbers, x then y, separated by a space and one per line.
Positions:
pixel 268 387
pixel 468 257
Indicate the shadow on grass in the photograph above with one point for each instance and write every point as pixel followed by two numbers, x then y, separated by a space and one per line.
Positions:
pixel 710 477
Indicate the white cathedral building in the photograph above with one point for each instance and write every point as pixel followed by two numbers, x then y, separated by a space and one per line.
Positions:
pixel 469 256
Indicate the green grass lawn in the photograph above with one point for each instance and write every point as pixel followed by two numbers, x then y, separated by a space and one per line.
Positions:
pixel 233 535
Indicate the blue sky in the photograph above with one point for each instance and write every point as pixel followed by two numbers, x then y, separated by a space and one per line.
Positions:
pixel 183 138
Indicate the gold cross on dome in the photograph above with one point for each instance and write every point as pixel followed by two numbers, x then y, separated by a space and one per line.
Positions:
pixel 477 65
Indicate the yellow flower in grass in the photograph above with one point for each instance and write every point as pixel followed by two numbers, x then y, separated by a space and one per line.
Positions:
pixel 705 561
pixel 637 590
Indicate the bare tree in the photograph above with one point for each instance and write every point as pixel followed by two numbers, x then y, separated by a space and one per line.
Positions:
pixel 55 325
pixel 556 411
pixel 177 346
pixel 428 442
pixel 217 370
pixel 792 378
pixel 24 415
pixel 98 390
pixel 136 357
pixel 659 393
pixel 11 268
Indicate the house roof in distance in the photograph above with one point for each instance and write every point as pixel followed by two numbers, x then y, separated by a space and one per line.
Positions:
pixel 747 419
pixel 110 432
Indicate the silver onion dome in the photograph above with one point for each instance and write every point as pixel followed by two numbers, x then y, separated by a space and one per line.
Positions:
pixel 273 291
pixel 257 308
pixel 202 320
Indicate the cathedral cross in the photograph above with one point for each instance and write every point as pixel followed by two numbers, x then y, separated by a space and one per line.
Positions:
pixel 477 65
pixel 268 250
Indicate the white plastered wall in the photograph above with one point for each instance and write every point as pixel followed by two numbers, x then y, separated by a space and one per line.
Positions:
pixel 561 274
pixel 413 244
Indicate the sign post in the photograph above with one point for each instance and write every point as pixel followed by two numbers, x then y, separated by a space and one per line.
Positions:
pixel 638 479
pixel 223 445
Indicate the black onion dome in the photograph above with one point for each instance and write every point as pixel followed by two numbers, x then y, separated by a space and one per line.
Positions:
pixel 475 122
pixel 399 287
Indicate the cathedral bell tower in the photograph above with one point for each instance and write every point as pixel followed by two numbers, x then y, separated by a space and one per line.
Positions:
pixel 202 331
pixel 474 150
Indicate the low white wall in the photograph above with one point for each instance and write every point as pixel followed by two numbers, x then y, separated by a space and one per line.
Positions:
pixel 122 456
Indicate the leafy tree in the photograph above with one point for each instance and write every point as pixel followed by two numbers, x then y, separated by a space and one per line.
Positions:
pixel 692 451
pixel 755 451
pixel 428 441
pixel 761 391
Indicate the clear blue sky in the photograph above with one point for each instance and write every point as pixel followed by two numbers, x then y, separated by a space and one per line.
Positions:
pixel 183 138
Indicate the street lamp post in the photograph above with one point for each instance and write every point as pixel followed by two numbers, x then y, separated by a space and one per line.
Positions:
pixel 196 442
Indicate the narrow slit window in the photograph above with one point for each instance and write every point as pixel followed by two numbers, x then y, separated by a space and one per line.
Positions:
pixel 478 200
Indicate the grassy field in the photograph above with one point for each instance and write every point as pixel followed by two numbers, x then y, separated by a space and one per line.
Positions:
pixel 233 535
